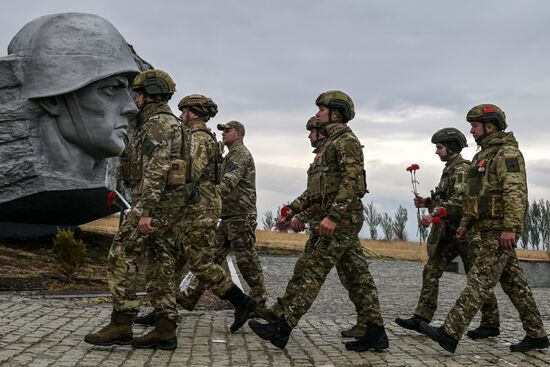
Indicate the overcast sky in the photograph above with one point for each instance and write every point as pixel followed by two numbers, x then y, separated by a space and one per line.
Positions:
pixel 412 67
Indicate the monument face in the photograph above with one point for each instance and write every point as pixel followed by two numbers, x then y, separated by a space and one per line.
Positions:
pixel 65 109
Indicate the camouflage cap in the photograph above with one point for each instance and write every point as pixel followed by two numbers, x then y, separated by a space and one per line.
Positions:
pixel 488 113
pixel 232 125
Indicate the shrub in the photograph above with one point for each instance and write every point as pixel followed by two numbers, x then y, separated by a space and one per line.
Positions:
pixel 69 253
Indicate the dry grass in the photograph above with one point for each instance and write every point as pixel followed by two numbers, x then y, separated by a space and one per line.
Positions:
pixel 398 250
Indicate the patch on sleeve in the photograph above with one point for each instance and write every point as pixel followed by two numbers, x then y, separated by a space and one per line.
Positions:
pixel 460 177
pixel 230 166
pixel 512 164
pixel 148 147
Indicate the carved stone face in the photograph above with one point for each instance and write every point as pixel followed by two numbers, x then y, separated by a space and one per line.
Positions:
pixel 95 118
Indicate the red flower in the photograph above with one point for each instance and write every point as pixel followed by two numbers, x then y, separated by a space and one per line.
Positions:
pixel 285 210
pixel 441 212
pixel 413 167
pixel 436 220
pixel 111 196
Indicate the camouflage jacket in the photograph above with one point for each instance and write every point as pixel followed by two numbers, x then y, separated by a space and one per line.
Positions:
pixel 313 213
pixel 336 179
pixel 451 190
pixel 154 144
pixel 497 186
pixel 238 182
pixel 203 154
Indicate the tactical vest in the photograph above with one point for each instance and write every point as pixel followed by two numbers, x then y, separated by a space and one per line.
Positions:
pixel 325 174
pixel 445 188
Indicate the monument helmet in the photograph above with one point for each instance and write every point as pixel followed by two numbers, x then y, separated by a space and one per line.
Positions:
pixel 62 53
pixel 451 138
pixel 154 82
pixel 200 105
pixel 337 100
pixel 488 113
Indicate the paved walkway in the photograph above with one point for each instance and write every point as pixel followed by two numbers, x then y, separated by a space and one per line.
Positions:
pixel 50 332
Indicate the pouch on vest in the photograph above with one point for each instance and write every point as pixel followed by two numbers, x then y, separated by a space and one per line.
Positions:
pixel 474 181
pixel 491 206
pixel 177 173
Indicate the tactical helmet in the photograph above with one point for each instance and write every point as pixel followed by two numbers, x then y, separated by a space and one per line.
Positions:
pixel 312 123
pixel 451 138
pixel 154 82
pixel 485 113
pixel 338 100
pixel 200 105
pixel 62 53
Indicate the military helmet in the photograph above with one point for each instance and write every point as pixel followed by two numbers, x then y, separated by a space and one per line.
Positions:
pixel 62 53
pixel 451 138
pixel 485 113
pixel 312 123
pixel 338 100
pixel 200 105
pixel 154 82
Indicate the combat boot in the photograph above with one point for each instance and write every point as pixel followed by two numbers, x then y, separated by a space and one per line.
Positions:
pixel 356 331
pixel 374 338
pixel 529 343
pixel 266 314
pixel 186 301
pixel 440 336
pixel 163 336
pixel 118 331
pixel 412 323
pixel 276 332
pixel 147 320
pixel 244 306
pixel 483 332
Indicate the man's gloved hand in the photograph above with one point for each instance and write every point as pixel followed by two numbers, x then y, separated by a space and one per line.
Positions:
pixel 297 225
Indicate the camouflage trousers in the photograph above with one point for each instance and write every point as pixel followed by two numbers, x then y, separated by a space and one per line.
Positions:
pixel 447 249
pixel 344 251
pixel 196 243
pixel 159 249
pixel 494 264
pixel 237 235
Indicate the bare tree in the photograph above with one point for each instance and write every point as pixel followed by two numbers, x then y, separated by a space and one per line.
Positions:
pixel 399 221
pixel 386 222
pixel 268 221
pixel 536 226
pixel 373 220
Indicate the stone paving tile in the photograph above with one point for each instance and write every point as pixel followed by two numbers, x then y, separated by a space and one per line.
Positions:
pixel 42 332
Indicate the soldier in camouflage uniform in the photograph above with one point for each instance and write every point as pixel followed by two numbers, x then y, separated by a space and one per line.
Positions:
pixel 236 231
pixel 312 215
pixel 337 184
pixel 443 246
pixel 200 216
pixel 151 226
pixel 495 205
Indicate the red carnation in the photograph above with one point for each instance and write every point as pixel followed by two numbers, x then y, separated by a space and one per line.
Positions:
pixel 285 210
pixel 436 220
pixel 111 195
pixel 441 212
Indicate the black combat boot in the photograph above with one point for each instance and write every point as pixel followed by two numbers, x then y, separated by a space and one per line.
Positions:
pixel 163 336
pixel 188 302
pixel 483 332
pixel 276 332
pixel 147 320
pixel 244 306
pixel 118 331
pixel 375 338
pixel 413 323
pixel 439 335
pixel 356 331
pixel 529 343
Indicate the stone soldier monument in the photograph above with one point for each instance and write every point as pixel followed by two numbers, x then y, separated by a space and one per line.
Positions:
pixel 65 111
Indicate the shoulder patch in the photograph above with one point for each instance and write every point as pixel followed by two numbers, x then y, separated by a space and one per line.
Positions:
pixel 512 165
pixel 230 166
pixel 148 147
